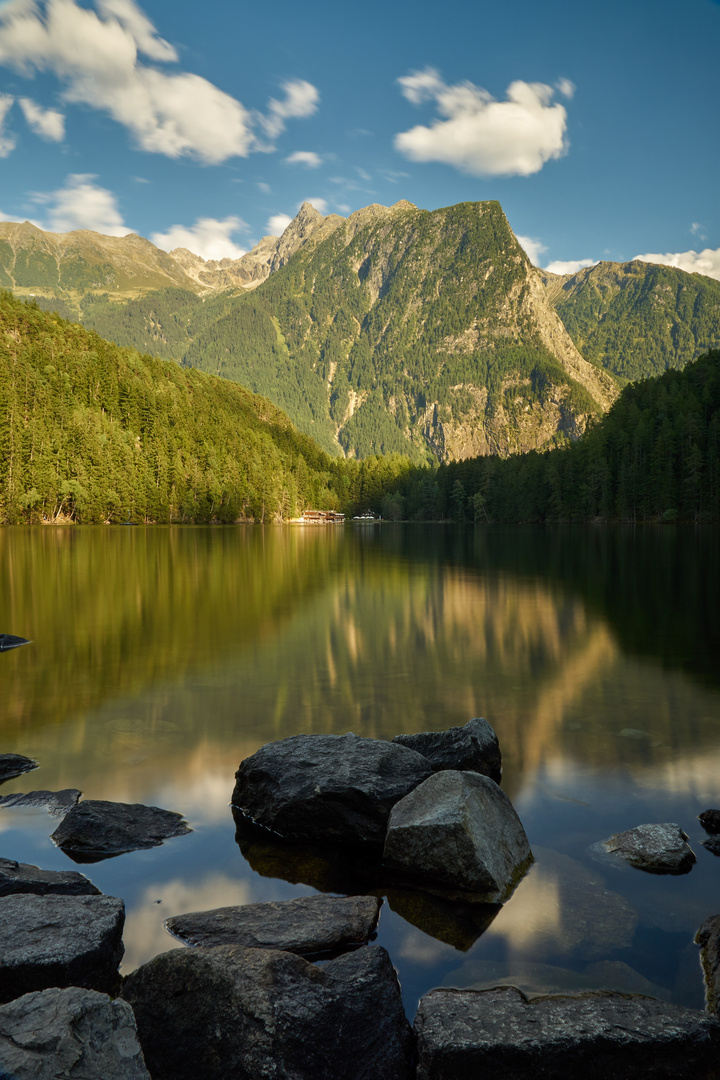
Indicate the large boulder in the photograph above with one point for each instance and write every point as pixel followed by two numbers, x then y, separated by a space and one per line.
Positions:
pixel 59 941
pixel 327 788
pixel 458 831
pixel 659 849
pixel 472 748
pixel 309 926
pixel 12 765
pixel 96 829
pixel 72 1034
pixel 463 1034
pixel 708 938
pixel 24 878
pixel 251 1013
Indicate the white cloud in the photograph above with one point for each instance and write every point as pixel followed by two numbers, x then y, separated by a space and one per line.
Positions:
pixel 698 230
pixel 569 266
pixel 566 88
pixel 48 123
pixel 262 186
pixel 301 99
pixel 532 247
pixel 81 205
pixel 320 205
pixel 94 54
pixel 208 238
pixel 7 142
pixel 308 158
pixel 277 224
pixel 705 262
pixel 482 136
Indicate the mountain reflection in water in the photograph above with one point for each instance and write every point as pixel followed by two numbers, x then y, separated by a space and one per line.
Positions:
pixel 162 657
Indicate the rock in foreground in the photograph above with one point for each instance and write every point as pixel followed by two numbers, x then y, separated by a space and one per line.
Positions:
pixel 74 1034
pixel 472 748
pixel 708 938
pixel 459 831
pixel 660 849
pixel 23 878
pixel 95 829
pixel 309 926
pixel 327 788
pixel 251 1013
pixel 12 765
pixel 500 1034
pixel 59 941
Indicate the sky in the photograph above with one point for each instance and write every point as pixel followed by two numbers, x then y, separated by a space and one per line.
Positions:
pixel 596 126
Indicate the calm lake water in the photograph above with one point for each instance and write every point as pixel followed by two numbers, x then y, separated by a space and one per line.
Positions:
pixel 160 658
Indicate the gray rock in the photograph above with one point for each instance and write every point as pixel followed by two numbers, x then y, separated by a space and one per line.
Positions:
pixel 251 1013
pixel 464 1034
pixel 11 641
pixel 660 849
pixel 710 820
pixel 327 788
pixel 12 765
pixel 59 941
pixel 95 829
pixel 23 878
pixel 459 831
pixel 72 1034
pixel 472 748
pixel 712 844
pixel 56 803
pixel 708 938
pixel 309 926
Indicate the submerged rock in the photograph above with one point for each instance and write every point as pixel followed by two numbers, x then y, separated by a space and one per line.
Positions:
pixel 12 765
pixel 712 844
pixel 309 926
pixel 499 1033
pixel 70 1033
pixel 327 788
pixel 710 820
pixel 59 941
pixel 472 748
pixel 455 922
pixel 660 849
pixel 95 829
pixel 236 1012
pixel 459 831
pixel 23 878
pixel 708 938
pixel 57 803
pixel 535 979
pixel 11 641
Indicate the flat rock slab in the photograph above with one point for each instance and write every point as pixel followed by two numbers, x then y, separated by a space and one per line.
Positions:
pixel 472 748
pixel 311 926
pixel 12 765
pixel 710 820
pixel 71 1033
pixel 251 1013
pixel 327 788
pixel 660 849
pixel 11 641
pixel 56 803
pixel 458 831
pixel 465 1034
pixel 59 941
pixel 708 938
pixel 23 878
pixel 95 829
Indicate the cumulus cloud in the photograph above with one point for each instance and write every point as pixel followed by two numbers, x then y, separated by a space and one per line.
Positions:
pixel 308 158
pixel 569 266
pixel 320 204
pixel 482 136
pixel 208 238
pixel 301 99
pixel 705 262
pixel 81 204
pixel 7 142
pixel 277 224
pixel 532 247
pixel 48 123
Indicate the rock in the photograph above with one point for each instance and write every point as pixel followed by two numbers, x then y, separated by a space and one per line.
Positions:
pixel 11 641
pixel 660 849
pixel 236 1012
pixel 459 831
pixel 455 922
pixel 24 878
pixel 12 765
pixel 327 788
pixel 472 748
pixel 500 1034
pixel 708 938
pixel 73 1033
pixel 56 803
pixel 710 820
pixel 95 829
pixel 712 844
pixel 59 941
pixel 309 926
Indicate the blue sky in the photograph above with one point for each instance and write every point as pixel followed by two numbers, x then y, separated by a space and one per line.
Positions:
pixel 206 126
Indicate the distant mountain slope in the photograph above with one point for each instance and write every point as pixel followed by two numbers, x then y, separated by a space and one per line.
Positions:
pixel 636 319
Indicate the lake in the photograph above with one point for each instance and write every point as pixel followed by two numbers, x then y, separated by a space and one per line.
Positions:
pixel 161 657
